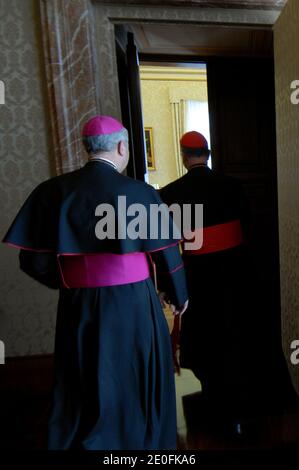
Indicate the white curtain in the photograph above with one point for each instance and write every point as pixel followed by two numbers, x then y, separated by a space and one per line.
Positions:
pixel 178 113
pixel 188 115
pixel 197 119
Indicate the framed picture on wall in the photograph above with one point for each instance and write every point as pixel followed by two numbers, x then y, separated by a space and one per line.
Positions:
pixel 148 131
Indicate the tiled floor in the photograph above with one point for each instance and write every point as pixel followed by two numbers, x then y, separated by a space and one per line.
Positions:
pixel 186 383
pixel 271 429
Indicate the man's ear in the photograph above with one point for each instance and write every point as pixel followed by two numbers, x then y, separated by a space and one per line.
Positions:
pixel 121 148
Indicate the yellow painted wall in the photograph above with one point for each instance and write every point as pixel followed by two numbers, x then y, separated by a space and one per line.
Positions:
pixel 159 87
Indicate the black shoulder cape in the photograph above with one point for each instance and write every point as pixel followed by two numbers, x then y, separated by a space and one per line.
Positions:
pixel 59 215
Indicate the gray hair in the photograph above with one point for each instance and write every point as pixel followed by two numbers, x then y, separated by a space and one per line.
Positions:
pixel 104 143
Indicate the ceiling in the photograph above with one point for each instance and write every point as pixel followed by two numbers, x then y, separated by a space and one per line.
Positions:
pixel 202 40
pixel 174 73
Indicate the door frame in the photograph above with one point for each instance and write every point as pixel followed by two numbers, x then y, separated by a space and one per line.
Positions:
pixel 88 39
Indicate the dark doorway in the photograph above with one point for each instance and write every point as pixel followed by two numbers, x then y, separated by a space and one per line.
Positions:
pixel 242 124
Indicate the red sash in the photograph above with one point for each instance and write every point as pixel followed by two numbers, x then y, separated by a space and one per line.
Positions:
pixel 219 238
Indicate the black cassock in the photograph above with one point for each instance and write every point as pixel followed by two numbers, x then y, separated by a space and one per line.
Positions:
pixel 217 331
pixel 114 381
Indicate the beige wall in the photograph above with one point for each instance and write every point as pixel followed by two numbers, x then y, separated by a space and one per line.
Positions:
pixel 287 69
pixel 158 90
pixel 27 310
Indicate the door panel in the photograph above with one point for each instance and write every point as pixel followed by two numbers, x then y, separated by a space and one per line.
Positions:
pixel 136 108
pixel 242 114
pixel 131 106
pixel 125 103
pixel 242 123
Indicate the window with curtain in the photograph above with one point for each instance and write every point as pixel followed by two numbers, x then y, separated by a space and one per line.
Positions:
pixel 197 119
pixel 189 115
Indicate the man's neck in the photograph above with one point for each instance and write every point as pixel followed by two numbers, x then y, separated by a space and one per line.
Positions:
pixel 196 165
pixel 95 158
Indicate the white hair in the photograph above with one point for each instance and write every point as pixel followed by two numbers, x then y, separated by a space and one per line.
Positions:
pixel 104 143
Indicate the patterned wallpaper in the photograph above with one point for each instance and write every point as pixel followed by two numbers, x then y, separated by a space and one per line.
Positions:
pixel 286 39
pixel 27 311
pixel 156 97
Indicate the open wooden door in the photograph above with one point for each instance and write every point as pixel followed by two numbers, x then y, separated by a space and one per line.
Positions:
pixel 242 123
pixel 130 93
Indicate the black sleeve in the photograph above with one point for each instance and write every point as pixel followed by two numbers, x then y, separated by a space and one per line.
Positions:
pixel 42 267
pixel 171 274
pixel 244 213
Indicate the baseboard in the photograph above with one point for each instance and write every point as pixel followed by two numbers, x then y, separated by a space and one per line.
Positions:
pixel 27 374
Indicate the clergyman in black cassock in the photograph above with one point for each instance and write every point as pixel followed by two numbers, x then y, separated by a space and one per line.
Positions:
pixel 114 381
pixel 216 330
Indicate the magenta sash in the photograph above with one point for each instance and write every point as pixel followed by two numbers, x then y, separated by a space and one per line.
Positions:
pixel 102 269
